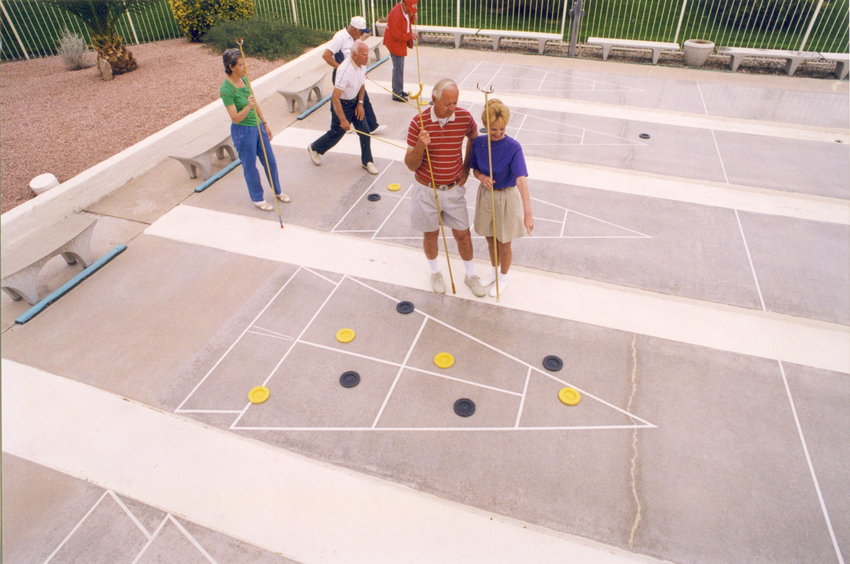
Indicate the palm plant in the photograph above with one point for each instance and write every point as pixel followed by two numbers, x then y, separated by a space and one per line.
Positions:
pixel 101 18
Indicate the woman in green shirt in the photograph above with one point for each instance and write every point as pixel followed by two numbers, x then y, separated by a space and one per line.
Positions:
pixel 244 111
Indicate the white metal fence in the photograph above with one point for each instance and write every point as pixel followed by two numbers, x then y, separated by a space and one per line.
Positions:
pixel 31 28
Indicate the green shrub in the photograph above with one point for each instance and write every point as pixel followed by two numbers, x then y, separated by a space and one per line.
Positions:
pixel 265 37
pixel 765 15
pixel 196 17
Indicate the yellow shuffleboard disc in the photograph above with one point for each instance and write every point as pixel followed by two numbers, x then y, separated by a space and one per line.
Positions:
pixel 258 394
pixel 394 187
pixel 345 335
pixel 423 102
pixel 444 360
pixel 569 396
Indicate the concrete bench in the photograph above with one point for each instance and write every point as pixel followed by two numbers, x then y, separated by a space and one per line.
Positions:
pixel 657 47
pixel 792 58
pixel 198 153
pixel 374 43
pixel 841 61
pixel 22 260
pixel 298 93
pixel 496 35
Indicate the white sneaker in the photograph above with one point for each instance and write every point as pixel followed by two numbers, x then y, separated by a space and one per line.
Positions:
pixel 474 284
pixel 314 156
pixel 489 278
pixel 503 283
pixel 437 283
pixel 371 168
pixel 378 130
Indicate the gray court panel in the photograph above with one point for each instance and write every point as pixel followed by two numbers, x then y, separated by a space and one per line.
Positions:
pixel 305 391
pixel 803 267
pixel 473 361
pixel 807 167
pixel 171 545
pixel 694 251
pixel 821 398
pixel 380 331
pixel 246 366
pixel 40 508
pixel 616 143
pixel 424 400
pixel 824 109
pixel 725 464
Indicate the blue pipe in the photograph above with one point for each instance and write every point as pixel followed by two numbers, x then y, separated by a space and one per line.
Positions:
pixel 322 102
pixel 70 284
pixel 208 182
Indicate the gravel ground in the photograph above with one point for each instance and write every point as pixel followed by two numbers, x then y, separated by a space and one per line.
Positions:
pixel 64 122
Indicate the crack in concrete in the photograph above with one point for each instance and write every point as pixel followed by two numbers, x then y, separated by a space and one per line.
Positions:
pixel 634 443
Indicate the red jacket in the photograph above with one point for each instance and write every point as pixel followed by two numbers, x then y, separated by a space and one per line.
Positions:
pixel 396 38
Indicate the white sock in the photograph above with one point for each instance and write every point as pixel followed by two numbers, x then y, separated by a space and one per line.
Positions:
pixel 470 268
pixel 435 265
pixel 502 277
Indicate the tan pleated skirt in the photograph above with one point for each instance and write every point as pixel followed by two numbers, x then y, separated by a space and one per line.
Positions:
pixel 509 214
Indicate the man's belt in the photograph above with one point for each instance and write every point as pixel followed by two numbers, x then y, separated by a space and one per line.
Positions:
pixel 439 186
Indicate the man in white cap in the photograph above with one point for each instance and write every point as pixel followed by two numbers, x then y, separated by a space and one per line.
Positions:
pixel 339 49
pixel 347 108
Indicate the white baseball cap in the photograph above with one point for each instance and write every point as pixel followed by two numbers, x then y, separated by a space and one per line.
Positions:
pixel 359 22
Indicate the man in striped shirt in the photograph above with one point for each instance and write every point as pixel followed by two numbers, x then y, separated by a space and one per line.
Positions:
pixel 435 153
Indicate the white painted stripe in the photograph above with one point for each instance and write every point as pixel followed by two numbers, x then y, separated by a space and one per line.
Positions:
pixel 750 258
pixel 811 467
pixel 704 192
pixel 279 501
pixel 763 334
pixel 81 521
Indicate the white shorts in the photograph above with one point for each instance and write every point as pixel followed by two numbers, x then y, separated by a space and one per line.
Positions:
pixel 423 208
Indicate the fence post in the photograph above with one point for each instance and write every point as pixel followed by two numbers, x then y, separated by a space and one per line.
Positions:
pixel 294 13
pixel 576 13
pixel 132 28
pixel 679 25
pixel 15 31
pixel 811 25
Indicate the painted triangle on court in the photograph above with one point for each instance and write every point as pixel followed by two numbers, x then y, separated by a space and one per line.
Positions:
pixel 513 78
pixel 401 387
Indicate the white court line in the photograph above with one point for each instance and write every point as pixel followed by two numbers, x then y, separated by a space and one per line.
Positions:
pixel 219 361
pixel 462 381
pixel 452 429
pixel 398 374
pixel 130 514
pixel 270 333
pixel 720 157
pixel 750 258
pixel 811 466
pixel 365 192
pixel 395 207
pixel 290 349
pixel 150 540
pixel 262 334
pixel 311 271
pixel 505 354
pixel 522 401
pixel 699 89
pixel 192 539
pixel 77 526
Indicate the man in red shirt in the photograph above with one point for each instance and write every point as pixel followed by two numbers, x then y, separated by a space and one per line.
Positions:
pixel 397 38
pixel 446 126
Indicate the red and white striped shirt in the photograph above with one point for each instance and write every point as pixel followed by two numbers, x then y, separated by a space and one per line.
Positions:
pixel 446 148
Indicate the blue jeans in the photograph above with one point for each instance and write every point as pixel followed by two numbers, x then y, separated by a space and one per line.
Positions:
pixel 324 143
pixel 398 74
pixel 246 139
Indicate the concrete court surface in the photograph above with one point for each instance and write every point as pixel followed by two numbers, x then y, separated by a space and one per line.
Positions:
pixel 694 284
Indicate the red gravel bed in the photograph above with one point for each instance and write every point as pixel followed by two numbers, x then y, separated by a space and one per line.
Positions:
pixel 64 122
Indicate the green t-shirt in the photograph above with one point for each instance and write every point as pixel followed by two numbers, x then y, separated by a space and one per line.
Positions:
pixel 231 95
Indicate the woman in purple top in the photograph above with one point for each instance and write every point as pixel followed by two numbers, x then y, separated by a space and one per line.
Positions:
pixel 510 183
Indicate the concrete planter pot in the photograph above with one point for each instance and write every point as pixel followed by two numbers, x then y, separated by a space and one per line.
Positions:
pixel 697 52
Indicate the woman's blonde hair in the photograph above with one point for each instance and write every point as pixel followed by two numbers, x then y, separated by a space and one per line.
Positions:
pixel 499 113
